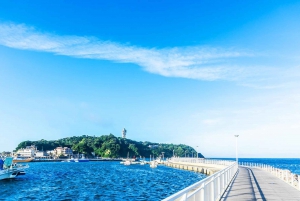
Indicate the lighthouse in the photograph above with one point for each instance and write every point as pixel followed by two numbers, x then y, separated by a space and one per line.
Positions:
pixel 124 131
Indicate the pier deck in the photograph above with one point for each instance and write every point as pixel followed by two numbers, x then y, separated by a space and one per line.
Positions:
pixel 208 169
pixel 257 184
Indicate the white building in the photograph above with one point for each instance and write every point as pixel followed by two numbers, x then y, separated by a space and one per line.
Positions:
pixel 5 154
pixel 28 152
pixel 50 153
pixel 66 151
pixel 41 154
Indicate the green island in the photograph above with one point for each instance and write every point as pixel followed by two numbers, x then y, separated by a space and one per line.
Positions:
pixel 110 146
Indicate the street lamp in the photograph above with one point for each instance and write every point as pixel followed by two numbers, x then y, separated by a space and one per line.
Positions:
pixel 236 149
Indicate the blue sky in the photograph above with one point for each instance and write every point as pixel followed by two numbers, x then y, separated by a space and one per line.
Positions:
pixel 193 72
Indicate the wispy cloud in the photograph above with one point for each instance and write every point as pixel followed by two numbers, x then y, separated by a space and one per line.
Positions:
pixel 205 63
pixel 211 122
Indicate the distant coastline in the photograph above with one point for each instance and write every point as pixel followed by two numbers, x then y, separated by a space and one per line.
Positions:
pixel 104 147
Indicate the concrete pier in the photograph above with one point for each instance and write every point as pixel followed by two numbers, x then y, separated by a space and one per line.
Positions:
pixel 257 184
pixel 230 182
pixel 207 169
pixel 209 189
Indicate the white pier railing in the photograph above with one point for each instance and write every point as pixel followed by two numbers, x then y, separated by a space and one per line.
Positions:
pixel 202 160
pixel 285 175
pixel 210 188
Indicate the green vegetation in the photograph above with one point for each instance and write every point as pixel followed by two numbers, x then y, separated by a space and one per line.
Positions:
pixel 112 147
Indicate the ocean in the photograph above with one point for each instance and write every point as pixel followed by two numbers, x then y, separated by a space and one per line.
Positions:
pixel 292 164
pixel 110 180
pixel 96 181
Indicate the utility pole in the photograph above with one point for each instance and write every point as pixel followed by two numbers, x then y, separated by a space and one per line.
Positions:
pixel 236 149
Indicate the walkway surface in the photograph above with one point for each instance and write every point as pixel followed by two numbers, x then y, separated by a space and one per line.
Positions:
pixel 257 184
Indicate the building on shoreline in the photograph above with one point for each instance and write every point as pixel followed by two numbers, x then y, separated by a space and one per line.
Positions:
pixel 41 155
pixel 5 154
pixel 28 152
pixel 63 151
pixel 33 152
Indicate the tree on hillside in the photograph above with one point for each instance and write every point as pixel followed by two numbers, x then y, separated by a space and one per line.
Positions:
pixel 111 146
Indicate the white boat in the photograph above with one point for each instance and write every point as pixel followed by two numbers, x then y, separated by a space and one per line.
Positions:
pixel 71 160
pixel 143 162
pixel 130 162
pixel 153 164
pixel 83 159
pixel 9 170
pixel 127 162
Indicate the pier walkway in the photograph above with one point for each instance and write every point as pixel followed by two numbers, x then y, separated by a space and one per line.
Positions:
pixel 246 182
pixel 257 184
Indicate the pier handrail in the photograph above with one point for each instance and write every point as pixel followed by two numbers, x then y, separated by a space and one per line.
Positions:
pixel 210 188
pixel 202 160
pixel 285 175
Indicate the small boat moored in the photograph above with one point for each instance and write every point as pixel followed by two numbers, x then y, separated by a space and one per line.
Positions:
pixel 9 170
pixel 153 164
pixel 83 159
pixel 127 162
pixel 22 160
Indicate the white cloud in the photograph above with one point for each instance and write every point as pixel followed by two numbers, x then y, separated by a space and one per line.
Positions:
pixel 203 63
pixel 211 122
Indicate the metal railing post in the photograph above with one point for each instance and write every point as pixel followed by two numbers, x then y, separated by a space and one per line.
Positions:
pixel 223 181
pixel 219 185
pixel 206 193
pixel 202 192
pixel 298 182
pixel 212 189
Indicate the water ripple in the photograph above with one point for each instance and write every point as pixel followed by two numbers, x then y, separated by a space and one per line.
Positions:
pixel 96 181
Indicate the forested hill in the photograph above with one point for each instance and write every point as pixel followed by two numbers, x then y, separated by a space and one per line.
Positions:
pixel 112 147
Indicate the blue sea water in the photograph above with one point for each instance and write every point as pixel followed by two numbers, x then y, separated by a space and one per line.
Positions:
pixel 292 164
pixel 96 181
pixel 109 180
